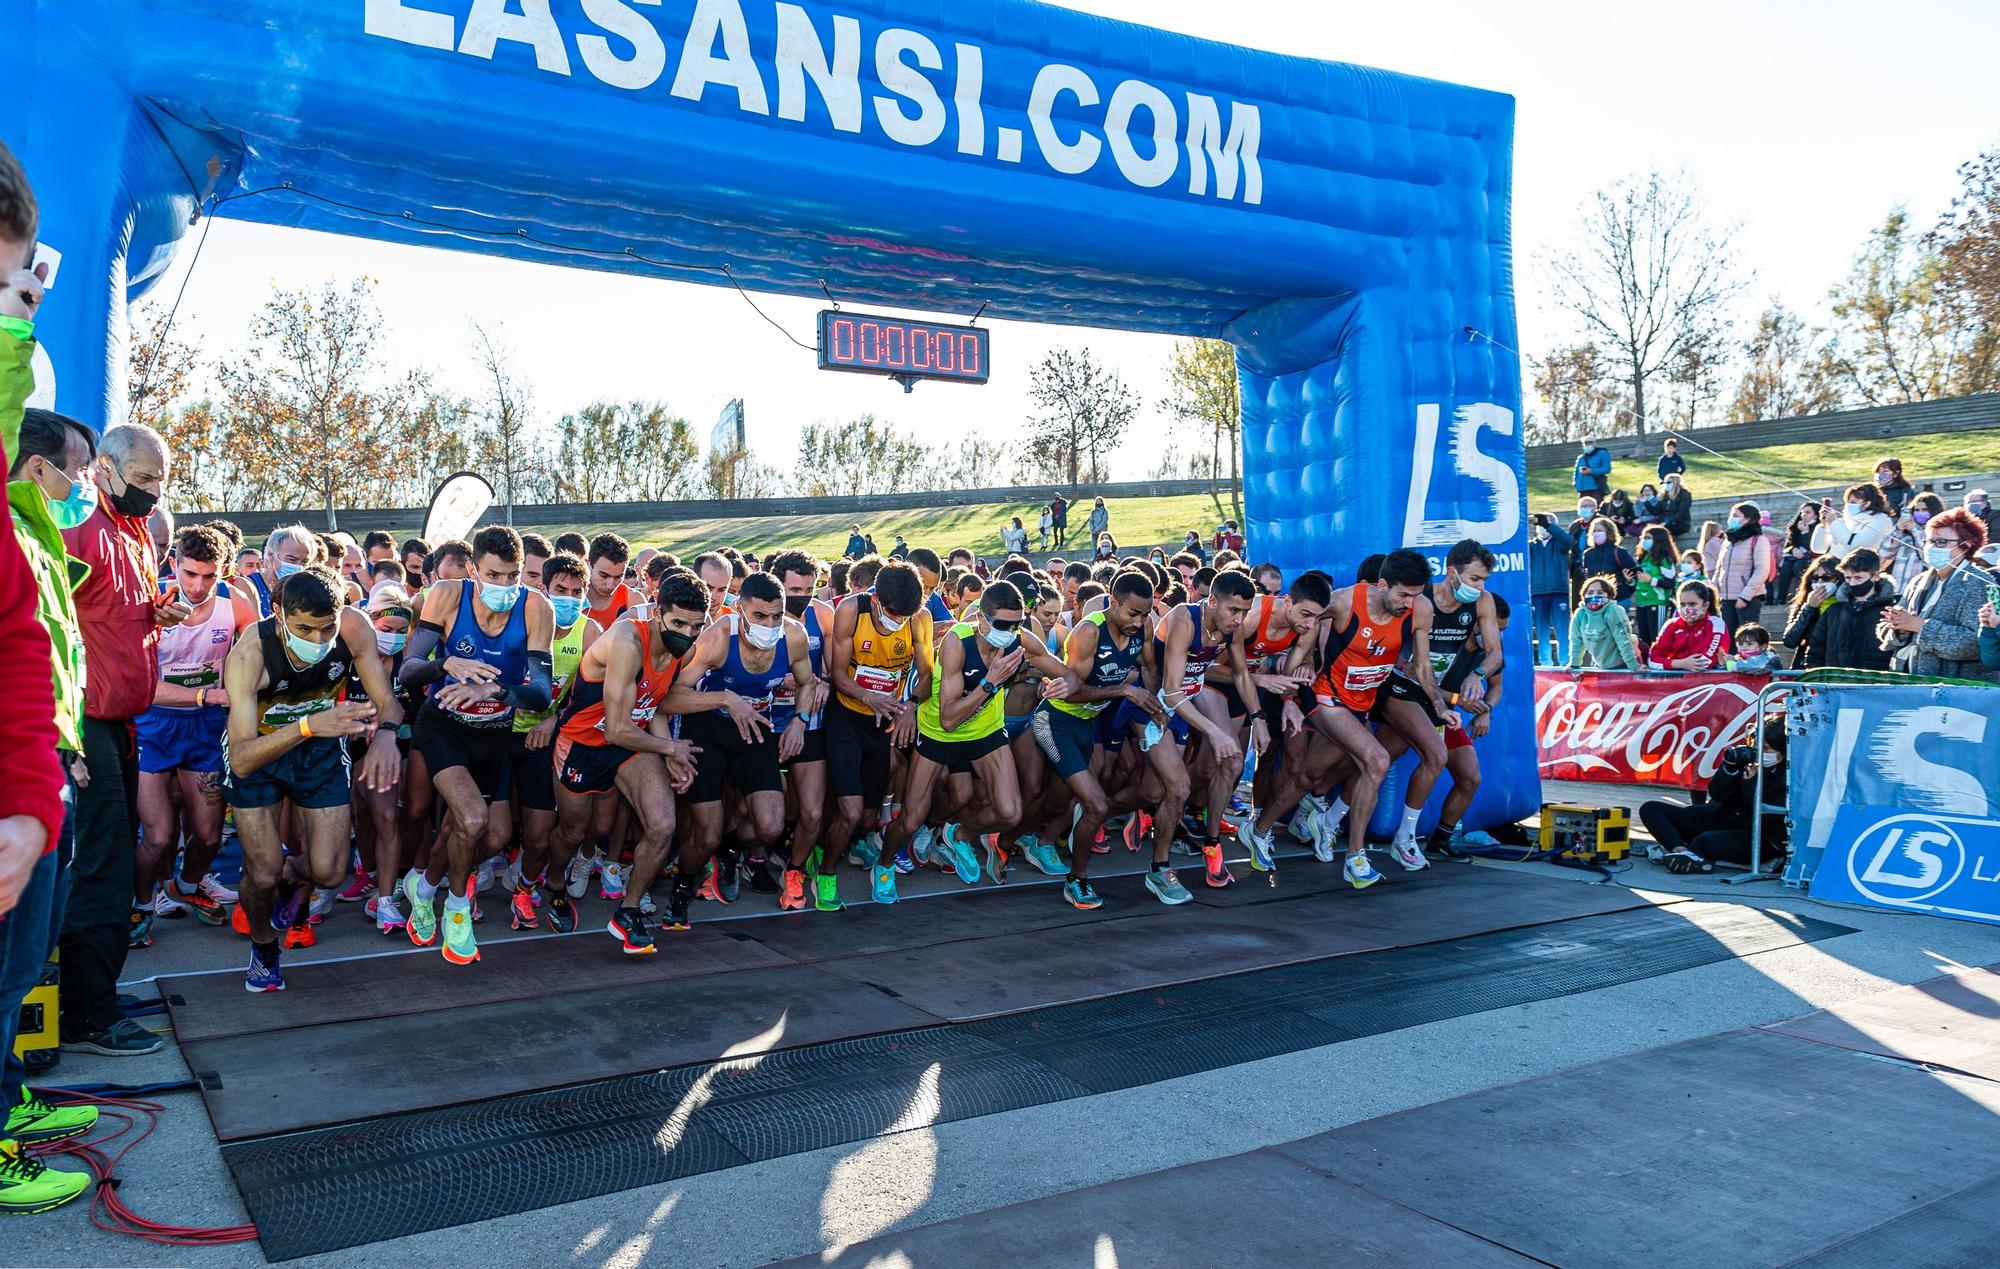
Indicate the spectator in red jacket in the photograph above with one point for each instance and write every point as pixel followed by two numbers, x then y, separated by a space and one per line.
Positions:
pixel 1696 638
pixel 121 609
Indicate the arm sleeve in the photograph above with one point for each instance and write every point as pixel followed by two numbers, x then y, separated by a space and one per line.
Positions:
pixel 419 669
pixel 536 692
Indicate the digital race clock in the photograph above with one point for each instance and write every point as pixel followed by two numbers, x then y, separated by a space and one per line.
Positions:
pixel 905 351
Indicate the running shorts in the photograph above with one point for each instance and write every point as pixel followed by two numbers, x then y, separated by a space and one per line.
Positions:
pixel 1065 740
pixel 534 774
pixel 957 756
pixel 446 743
pixel 726 759
pixel 313 776
pixel 590 770
pixel 181 739
pixel 857 756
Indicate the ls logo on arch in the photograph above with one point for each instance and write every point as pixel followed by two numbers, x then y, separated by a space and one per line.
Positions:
pixel 1888 858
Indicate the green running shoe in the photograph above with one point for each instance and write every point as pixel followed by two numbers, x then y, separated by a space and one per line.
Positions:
pixel 423 925
pixel 826 892
pixel 882 884
pixel 34 1121
pixel 27 1187
pixel 964 859
pixel 1166 887
pixel 460 947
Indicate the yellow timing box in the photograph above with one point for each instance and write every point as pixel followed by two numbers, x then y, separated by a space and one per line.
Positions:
pixel 36 1044
pixel 1593 834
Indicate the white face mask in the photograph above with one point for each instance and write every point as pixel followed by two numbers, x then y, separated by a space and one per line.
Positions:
pixel 763 638
pixel 886 624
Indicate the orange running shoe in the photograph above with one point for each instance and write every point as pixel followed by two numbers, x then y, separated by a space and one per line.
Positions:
pixel 300 935
pixel 1218 872
pixel 239 921
pixel 522 908
pixel 793 898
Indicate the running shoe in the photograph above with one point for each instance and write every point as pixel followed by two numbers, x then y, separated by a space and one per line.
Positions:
pixel 920 845
pixel 729 876
pixel 388 914
pixel 263 974
pixel 521 914
pixel 1263 850
pixel 35 1122
pixel 633 932
pixel 1682 860
pixel 321 904
pixel 423 925
pixel 793 896
pixel 478 912
pixel 996 859
pixel 239 920
pixel 865 852
pixel 1408 853
pixel 1138 826
pixel 1327 838
pixel 580 870
pixel 1361 873
pixel 561 912
pixel 826 892
pixel 1183 845
pixel 761 880
pixel 1304 816
pixel 964 860
pixel 289 905
pixel 300 935
pixel 678 898
pixel 1237 806
pixel 141 932
pixel 1166 887
pixel 215 890
pixel 1098 846
pixel 1081 894
pixel 359 889
pixel 483 879
pixel 706 891
pixel 1043 855
pixel 905 863
pixel 1214 870
pixel 461 947
pixel 207 908
pixel 611 881
pixel 1193 826
pixel 646 904
pixel 882 884
pixel 1467 840
pixel 28 1186
pixel 166 906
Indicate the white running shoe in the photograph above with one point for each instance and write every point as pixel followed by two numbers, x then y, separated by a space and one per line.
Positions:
pixel 511 878
pixel 322 903
pixel 611 881
pixel 165 905
pixel 1360 872
pixel 646 904
pixel 388 913
pixel 580 870
pixel 1305 819
pixel 920 844
pixel 216 890
pixel 483 879
pixel 1409 854
pixel 1326 843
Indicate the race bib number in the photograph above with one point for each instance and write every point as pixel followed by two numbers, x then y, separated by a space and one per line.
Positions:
pixel 1366 678
pixel 198 674
pixel 873 678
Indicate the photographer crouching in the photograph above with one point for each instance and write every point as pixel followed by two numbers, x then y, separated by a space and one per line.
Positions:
pixel 1696 838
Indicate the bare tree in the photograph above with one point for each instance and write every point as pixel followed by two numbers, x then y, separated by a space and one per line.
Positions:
pixel 1786 371
pixel 1203 392
pixel 1967 243
pixel 1086 408
pixel 1578 393
pixel 506 444
pixel 1649 275
pixel 160 367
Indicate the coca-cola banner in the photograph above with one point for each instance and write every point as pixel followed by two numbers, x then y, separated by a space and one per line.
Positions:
pixel 1626 728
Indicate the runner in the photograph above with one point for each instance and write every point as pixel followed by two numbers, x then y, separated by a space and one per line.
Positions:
pixel 608 596
pixel 962 725
pixel 415 553
pixel 180 743
pixel 287 550
pixel 614 739
pixel 284 741
pixel 878 635
pixel 805 769
pixel 495 636
pixel 378 834
pixel 532 758
pixel 535 553
pixel 1265 641
pixel 736 667
pixel 1414 704
pixel 1103 650
pixel 1362 637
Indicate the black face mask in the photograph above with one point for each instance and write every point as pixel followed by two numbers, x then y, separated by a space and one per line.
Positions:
pixel 135 502
pixel 797 604
pixel 677 644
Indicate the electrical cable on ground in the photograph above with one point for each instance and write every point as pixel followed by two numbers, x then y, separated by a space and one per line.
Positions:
pixel 108 1210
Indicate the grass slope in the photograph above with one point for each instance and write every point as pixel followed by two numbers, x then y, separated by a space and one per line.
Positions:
pixel 1799 466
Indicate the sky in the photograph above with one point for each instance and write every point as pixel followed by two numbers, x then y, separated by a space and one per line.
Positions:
pixel 1803 124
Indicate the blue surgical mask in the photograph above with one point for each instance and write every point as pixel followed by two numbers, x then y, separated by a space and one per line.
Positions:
pixel 1937 556
pixel 390 644
pixel 309 651
pixel 79 505
pixel 287 569
pixel 568 609
pixel 1735 522
pixel 1465 594
pixel 498 598
pixel 1002 639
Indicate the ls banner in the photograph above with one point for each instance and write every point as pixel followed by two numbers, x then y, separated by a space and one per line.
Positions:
pixel 1895 797
pixel 1623 728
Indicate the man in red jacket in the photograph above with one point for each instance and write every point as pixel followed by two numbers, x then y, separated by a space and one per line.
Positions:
pixel 121 609
pixel 32 786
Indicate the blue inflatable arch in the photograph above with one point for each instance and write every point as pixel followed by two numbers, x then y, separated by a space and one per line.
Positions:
pixel 1341 226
